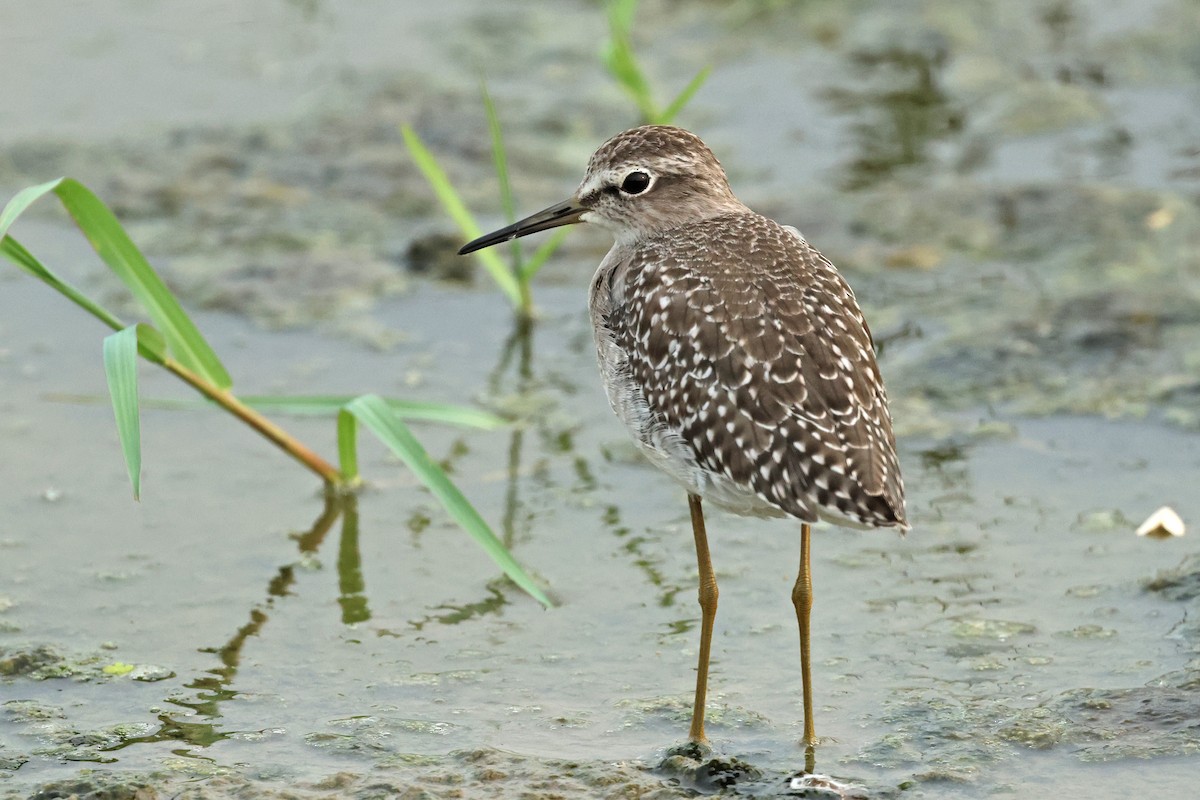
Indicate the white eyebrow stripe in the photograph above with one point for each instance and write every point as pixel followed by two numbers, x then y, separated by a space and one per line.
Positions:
pixel 592 184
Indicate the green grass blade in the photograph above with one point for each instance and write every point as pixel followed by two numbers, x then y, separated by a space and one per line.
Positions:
pixel 122 256
pixel 23 200
pixel 500 160
pixel 684 97
pixel 320 406
pixel 152 345
pixel 629 75
pixel 458 212
pixel 618 57
pixel 543 253
pixel 373 412
pixel 499 156
pixel 347 440
pixel 16 252
pixel 120 367
pixel 326 405
pixel 621 14
pixel 118 251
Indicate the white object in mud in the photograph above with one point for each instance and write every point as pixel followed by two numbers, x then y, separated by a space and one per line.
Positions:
pixel 1162 524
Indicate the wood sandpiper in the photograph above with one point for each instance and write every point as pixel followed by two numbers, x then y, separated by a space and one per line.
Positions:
pixel 734 353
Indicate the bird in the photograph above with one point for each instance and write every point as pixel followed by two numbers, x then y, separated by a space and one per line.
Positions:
pixel 735 354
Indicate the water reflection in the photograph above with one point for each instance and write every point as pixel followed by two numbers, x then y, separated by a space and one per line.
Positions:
pixel 215 686
pixel 454 614
pixel 351 584
pixel 518 346
pixel 516 384
pixel 900 111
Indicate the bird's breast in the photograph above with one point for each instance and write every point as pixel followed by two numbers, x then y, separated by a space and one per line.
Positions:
pixel 663 445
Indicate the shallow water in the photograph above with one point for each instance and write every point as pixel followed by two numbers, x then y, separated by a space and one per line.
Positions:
pixel 1034 298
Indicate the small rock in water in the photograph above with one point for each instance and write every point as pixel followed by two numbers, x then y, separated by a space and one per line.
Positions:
pixel 1106 519
pixel 824 787
pixel 1162 524
pixel 150 673
pixel 436 254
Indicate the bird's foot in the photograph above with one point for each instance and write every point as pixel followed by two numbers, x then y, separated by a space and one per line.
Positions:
pixel 695 766
pixel 691 749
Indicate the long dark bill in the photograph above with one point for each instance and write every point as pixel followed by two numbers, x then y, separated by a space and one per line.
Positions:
pixel 566 213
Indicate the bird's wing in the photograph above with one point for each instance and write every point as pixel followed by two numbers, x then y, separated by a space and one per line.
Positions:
pixel 747 342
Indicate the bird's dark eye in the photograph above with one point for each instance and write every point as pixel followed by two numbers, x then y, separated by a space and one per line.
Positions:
pixel 635 183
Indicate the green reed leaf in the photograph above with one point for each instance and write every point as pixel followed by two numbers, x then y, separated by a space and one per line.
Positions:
pixel 619 58
pixel 123 257
pixel 374 412
pixel 453 205
pixel 120 367
pixel 16 252
pixel 542 254
pixel 110 241
pixel 684 97
pixel 507 201
pixel 347 441
pixel 327 405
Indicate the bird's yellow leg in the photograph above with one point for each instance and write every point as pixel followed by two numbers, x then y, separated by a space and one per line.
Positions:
pixel 802 599
pixel 708 613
